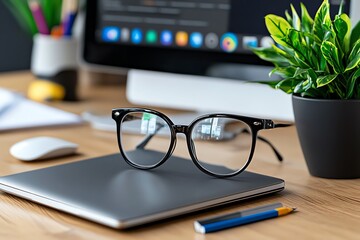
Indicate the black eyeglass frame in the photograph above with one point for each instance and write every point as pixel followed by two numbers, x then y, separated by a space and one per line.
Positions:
pixel 255 124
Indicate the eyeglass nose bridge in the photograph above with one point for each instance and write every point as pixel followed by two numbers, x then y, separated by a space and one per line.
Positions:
pixel 180 129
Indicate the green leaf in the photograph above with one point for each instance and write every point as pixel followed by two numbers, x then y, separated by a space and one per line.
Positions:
pixel 52 11
pixel 288 17
pixel 351 83
pixel 298 43
pixel 20 10
pixel 306 20
pixel 322 20
pixel 323 64
pixel 312 93
pixel 329 35
pixel 300 73
pixel 296 40
pixel 300 87
pixel 340 89
pixel 287 85
pixel 286 53
pixel 354 57
pixel 306 78
pixel 284 72
pixel 301 62
pixel 46 6
pixel 311 79
pixel 325 80
pixel 313 58
pixel 270 83
pixel 296 23
pixel 355 34
pixel 341 8
pixel 270 55
pixel 312 37
pixel 342 26
pixel 331 54
pixel 311 74
pixel 307 84
pixel 277 27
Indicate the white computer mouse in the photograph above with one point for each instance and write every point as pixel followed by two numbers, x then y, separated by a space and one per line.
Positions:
pixel 39 148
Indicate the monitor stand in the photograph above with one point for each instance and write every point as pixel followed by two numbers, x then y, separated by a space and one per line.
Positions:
pixel 207 94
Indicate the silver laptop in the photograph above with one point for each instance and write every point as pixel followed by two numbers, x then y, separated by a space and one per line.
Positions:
pixel 108 191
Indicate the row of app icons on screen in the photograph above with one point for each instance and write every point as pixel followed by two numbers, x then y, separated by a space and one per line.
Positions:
pixel 228 42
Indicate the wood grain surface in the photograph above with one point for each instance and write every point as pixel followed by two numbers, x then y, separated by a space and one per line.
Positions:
pixel 327 209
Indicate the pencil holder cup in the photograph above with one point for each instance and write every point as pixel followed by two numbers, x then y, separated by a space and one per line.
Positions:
pixel 54 64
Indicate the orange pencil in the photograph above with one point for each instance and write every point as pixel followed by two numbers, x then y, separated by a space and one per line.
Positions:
pixel 57 31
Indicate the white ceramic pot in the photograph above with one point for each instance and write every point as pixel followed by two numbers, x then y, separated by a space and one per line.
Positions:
pixel 54 62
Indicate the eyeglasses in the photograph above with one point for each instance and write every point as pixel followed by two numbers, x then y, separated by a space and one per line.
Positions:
pixel 221 145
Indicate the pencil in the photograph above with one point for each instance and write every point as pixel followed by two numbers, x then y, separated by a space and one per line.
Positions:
pixel 228 223
pixel 69 23
pixel 70 11
pixel 57 31
pixel 242 213
pixel 38 17
pixel 64 10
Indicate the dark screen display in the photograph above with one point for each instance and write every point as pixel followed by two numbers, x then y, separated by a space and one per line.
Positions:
pixel 182 36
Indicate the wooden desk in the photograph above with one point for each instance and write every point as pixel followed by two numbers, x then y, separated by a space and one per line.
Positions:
pixel 328 209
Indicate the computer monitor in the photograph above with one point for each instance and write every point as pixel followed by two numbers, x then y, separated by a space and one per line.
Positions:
pixel 191 54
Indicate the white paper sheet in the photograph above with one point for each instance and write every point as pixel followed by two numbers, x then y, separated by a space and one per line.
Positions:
pixel 19 113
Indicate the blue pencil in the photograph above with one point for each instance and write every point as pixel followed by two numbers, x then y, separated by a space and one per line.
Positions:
pixel 69 23
pixel 69 11
pixel 228 223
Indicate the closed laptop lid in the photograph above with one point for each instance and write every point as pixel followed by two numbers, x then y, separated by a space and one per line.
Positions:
pixel 109 191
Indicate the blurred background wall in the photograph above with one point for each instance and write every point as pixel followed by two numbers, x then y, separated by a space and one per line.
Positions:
pixel 15 44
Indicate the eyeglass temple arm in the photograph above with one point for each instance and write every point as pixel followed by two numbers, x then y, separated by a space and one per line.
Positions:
pixel 269 124
pixel 277 153
pixel 147 139
pixel 281 125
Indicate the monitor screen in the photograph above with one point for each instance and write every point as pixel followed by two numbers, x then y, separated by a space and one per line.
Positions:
pixel 182 36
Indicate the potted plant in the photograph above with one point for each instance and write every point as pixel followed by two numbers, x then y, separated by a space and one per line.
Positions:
pixel 319 61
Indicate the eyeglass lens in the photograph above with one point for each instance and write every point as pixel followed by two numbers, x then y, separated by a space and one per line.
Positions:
pixel 221 145
pixel 148 131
